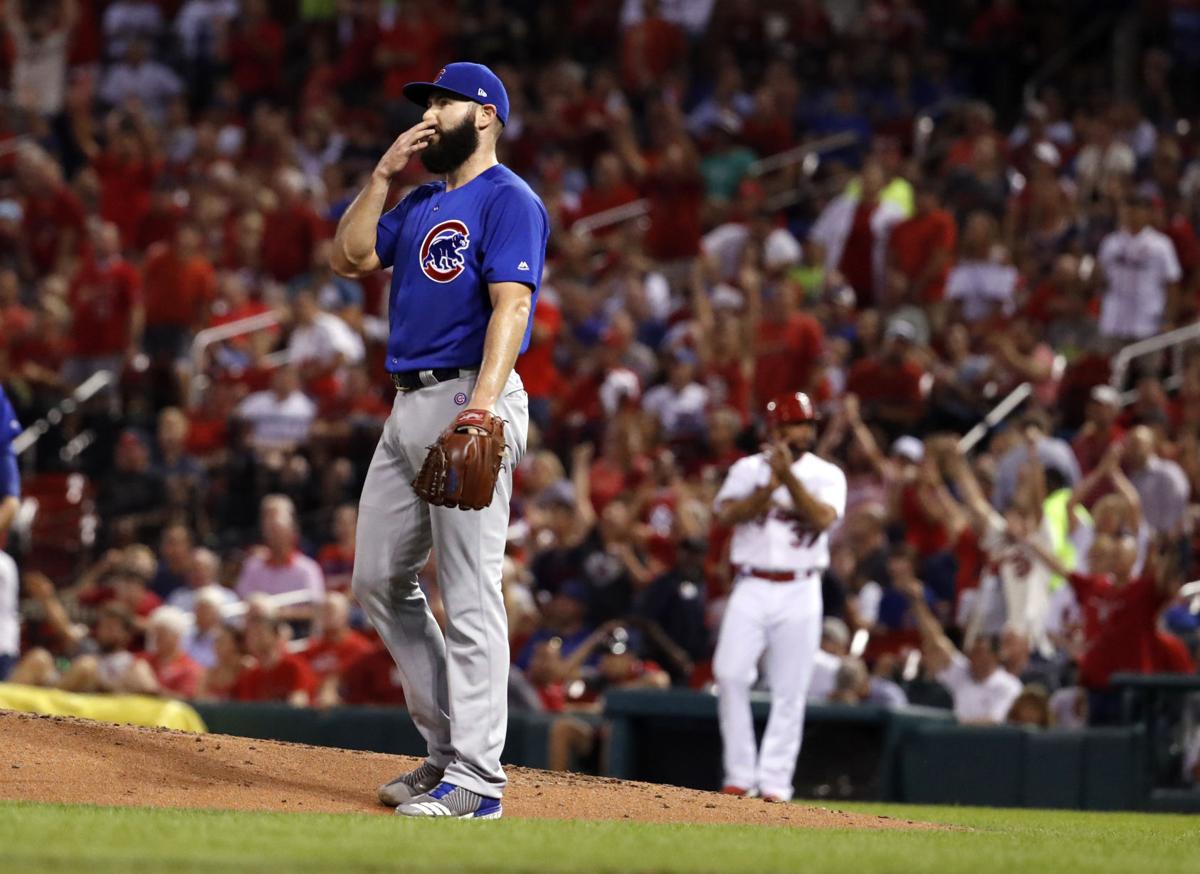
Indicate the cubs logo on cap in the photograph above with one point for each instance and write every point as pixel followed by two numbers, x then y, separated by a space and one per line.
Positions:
pixel 443 251
pixel 466 80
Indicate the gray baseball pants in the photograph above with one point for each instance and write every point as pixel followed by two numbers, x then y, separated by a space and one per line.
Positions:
pixel 456 685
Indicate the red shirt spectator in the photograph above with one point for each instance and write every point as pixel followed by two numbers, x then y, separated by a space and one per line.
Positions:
pixel 889 384
pixel 649 49
pixel 53 219
pixel 857 261
pixel 256 52
pixel 1097 597
pixel 923 531
pixel 788 352
pixel 729 386
pixel 208 424
pixel 276 674
pixel 105 293
pixel 332 657
pixel 275 682
pixel 1119 623
pixel 161 221
pixel 337 563
pixel 292 231
pixel 1183 237
pixel 180 282
pixel 408 51
pixel 875 380
pixel 608 190
pixel 178 675
pixel 15 320
pixel 373 678
pixel 126 178
pixel 46 348
pixel 970 560
pixel 676 205
pixel 536 367
pixel 916 243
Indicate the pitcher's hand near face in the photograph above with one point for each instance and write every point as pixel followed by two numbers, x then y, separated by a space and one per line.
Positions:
pixel 409 143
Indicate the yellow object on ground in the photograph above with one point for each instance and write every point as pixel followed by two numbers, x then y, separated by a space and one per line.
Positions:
pixel 133 709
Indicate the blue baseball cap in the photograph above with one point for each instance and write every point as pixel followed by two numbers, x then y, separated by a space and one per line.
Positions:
pixel 466 80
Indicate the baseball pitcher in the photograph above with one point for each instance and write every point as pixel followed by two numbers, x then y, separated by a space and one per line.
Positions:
pixel 782 503
pixel 466 254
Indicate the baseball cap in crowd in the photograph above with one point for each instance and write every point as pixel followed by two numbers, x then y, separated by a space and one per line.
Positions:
pixel 211 595
pixel 576 590
pixel 901 330
pixel 684 355
pixel 725 297
pixel 1107 395
pixel 466 80
pixel 780 250
pixel 619 388
pixel 727 121
pixel 909 447
pixel 836 630
pixel 561 494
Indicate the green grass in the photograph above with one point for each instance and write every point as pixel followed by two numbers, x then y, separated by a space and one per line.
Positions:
pixel 44 837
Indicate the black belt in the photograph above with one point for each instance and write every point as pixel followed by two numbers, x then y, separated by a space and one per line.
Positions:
pixel 411 380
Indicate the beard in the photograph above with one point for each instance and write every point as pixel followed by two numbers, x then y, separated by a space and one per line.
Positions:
pixel 452 148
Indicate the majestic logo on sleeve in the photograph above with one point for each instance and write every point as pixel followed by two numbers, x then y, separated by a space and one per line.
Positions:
pixel 443 251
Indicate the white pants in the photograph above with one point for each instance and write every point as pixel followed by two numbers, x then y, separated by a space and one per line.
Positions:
pixel 782 620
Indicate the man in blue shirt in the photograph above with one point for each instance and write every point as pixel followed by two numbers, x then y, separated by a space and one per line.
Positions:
pixel 10 501
pixel 466 254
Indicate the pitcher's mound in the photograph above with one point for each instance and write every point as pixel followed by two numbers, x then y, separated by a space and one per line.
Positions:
pixel 73 761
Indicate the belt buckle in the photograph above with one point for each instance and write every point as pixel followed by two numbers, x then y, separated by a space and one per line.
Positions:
pixel 427 378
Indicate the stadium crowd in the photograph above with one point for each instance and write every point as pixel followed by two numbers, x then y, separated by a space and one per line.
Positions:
pixel 173 166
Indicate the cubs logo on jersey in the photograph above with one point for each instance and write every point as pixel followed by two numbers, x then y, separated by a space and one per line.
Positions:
pixel 443 252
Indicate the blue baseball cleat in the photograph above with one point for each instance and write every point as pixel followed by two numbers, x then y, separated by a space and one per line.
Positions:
pixel 446 799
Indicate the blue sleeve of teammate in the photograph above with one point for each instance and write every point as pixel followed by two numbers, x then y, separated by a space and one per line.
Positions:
pixel 386 232
pixel 514 242
pixel 10 478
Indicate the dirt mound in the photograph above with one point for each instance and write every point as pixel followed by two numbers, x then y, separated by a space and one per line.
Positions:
pixel 74 761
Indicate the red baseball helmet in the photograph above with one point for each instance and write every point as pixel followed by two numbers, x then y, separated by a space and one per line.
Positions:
pixel 789 408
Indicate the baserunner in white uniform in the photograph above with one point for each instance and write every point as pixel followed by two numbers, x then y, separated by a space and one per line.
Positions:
pixel 782 501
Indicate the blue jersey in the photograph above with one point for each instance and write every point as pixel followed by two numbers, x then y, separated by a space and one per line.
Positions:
pixel 444 247
pixel 10 479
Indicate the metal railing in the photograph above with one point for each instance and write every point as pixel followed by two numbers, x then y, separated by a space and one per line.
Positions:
pixel 588 225
pixel 801 153
pixel 1061 59
pixel 86 390
pixel 1173 340
pixel 274 602
pixel 283 599
pixel 1191 592
pixel 206 338
pixel 807 155
pixel 998 414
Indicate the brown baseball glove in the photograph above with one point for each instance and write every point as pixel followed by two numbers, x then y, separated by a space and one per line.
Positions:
pixel 461 467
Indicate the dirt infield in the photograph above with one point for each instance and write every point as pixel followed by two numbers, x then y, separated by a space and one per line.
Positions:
pixel 74 761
